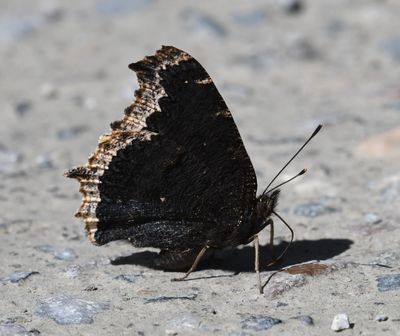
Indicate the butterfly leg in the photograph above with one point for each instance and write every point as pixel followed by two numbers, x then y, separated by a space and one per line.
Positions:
pixel 271 240
pixel 194 265
pixel 257 262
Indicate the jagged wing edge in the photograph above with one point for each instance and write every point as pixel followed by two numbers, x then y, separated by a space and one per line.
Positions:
pixel 124 131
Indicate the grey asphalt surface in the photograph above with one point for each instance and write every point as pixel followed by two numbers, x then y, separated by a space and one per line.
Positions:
pixel 282 68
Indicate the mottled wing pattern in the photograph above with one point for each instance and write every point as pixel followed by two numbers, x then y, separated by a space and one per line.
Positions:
pixel 174 170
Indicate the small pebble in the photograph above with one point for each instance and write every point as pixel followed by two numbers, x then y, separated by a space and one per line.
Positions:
pixel 311 268
pixel 86 102
pixel 34 332
pixel 8 158
pixel 171 332
pixel 44 162
pixel 182 323
pixel 335 26
pixel 302 48
pixel 71 132
pixel 388 187
pixel 291 6
pixel 72 271
pixel 258 60
pixel 49 91
pixel 313 209
pixel 236 91
pixel 391 192
pixel 252 18
pixel 392 47
pixel 12 29
pixel 388 282
pixel 258 322
pixel 17 277
pixel 52 14
pixel 340 322
pixel 199 22
pixel 281 304
pixel 381 318
pixel 12 329
pixel 372 218
pixel 66 254
pixel 305 319
pixel 90 288
pixel 90 103
pixel 22 107
pixel 386 259
pixel 239 333
pixel 114 7
pixel 282 282
pixel 69 310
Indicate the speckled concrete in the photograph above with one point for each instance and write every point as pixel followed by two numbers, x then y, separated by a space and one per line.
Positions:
pixel 282 67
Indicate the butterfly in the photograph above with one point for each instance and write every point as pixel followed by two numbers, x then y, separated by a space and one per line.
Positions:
pixel 173 173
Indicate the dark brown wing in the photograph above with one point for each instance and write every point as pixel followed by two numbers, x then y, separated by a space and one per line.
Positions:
pixel 175 158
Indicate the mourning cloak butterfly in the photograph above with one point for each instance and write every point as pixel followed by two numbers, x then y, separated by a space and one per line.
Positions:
pixel 173 173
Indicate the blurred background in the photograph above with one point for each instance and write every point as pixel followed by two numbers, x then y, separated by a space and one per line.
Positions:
pixel 282 66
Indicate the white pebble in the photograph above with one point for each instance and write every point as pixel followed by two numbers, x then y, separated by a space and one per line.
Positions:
pixel 49 91
pixel 340 322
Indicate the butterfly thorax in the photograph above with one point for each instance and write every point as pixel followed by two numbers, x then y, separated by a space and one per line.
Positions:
pixel 257 218
pixel 265 205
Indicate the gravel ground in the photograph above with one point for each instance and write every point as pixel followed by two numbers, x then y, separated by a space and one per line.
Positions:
pixel 283 67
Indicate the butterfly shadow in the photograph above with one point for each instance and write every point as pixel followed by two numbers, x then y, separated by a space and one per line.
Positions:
pixel 242 259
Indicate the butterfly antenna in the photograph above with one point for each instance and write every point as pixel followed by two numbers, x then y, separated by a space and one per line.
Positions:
pixel 291 179
pixel 283 168
pixel 287 247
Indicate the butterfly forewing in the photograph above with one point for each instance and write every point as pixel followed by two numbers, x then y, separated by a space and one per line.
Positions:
pixel 174 167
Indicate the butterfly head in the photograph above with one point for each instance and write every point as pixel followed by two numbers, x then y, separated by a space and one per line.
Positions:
pixel 266 204
pixel 268 201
